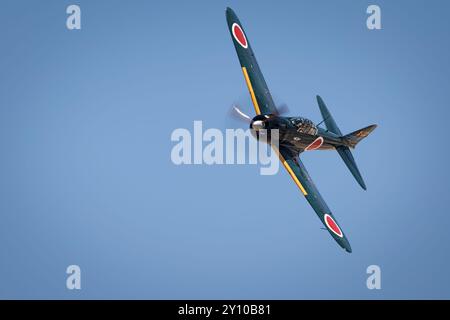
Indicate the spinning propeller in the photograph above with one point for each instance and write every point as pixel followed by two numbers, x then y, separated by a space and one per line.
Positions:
pixel 237 113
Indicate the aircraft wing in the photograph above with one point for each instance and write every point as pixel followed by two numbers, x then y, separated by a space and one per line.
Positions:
pixel 259 92
pixel 301 177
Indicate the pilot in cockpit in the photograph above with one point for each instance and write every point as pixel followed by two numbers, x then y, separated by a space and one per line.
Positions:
pixel 304 125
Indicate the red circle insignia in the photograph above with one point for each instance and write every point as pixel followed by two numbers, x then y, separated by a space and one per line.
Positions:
pixel 316 144
pixel 239 35
pixel 332 225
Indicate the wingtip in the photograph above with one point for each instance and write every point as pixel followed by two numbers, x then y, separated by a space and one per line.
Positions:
pixel 347 247
pixel 231 16
pixel 358 177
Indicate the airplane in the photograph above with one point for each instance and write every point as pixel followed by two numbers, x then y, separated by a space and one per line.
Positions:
pixel 296 134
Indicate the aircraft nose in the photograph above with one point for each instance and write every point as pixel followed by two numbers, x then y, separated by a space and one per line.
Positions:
pixel 258 125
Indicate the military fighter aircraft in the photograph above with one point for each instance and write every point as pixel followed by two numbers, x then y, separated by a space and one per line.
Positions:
pixel 296 134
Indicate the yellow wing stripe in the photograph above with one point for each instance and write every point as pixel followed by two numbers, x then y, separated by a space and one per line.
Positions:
pixel 291 173
pixel 294 177
pixel 250 88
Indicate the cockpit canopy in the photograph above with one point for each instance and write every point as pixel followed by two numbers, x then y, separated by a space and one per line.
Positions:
pixel 304 125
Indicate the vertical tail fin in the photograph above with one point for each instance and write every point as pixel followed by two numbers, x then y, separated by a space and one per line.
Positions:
pixel 353 138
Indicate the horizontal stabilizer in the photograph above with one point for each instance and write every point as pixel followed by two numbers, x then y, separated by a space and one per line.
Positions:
pixel 349 161
pixel 327 118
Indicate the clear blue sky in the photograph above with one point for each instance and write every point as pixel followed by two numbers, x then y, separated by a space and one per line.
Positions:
pixel 86 175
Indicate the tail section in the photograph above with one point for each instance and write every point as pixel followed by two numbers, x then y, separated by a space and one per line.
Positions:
pixel 353 138
pixel 349 141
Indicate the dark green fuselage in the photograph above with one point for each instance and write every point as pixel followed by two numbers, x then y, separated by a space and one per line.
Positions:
pixel 297 137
